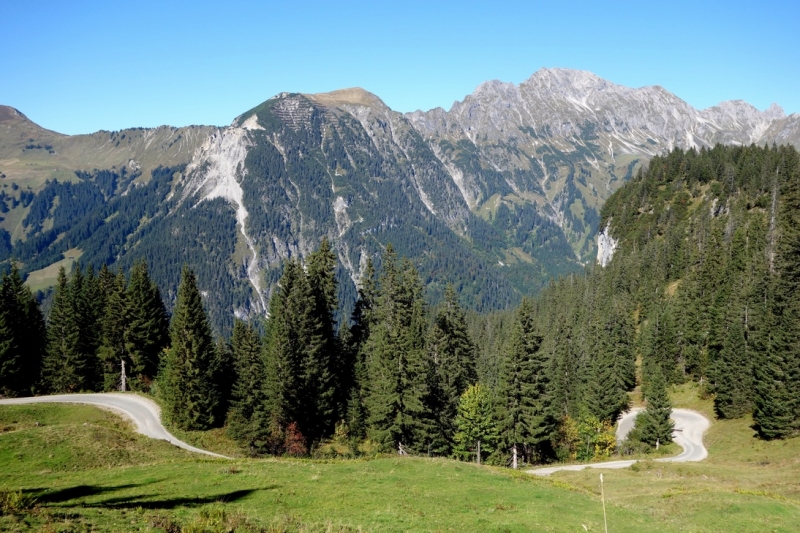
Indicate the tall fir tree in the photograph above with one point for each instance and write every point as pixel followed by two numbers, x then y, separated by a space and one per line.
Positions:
pixel 187 382
pixel 396 360
pixel 282 352
pixel 777 408
pixel 148 328
pixel 524 412
pixel 22 335
pixel 452 361
pixel 249 417
pixel 331 371
pixel 114 325
pixel 66 368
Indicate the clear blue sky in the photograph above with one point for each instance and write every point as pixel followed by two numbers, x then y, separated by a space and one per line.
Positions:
pixel 80 66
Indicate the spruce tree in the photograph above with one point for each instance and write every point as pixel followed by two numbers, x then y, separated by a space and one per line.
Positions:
pixel 452 369
pixel 66 368
pixel 654 422
pixel 114 324
pixel 148 327
pixel 284 355
pixel 249 417
pixel 524 411
pixel 734 383
pixel 88 304
pixel 187 381
pixel 777 408
pixel 331 371
pixel 22 336
pixel 396 360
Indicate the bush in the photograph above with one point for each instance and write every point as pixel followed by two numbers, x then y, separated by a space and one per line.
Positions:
pixel 15 503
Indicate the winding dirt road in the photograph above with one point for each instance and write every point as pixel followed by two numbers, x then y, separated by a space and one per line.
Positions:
pixel 689 429
pixel 143 412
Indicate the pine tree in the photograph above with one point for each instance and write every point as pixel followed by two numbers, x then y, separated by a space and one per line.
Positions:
pixel 148 328
pixel 452 369
pixel 114 324
pixel 331 372
pixel 524 411
pixel 187 382
pixel 22 334
pixel 249 417
pixel 396 360
pixel 654 422
pixel 64 367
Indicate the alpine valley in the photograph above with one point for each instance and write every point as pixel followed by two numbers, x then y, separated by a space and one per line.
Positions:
pixel 497 195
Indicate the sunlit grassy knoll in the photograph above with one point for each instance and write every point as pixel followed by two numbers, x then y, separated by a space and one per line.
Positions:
pixel 85 467
pixel 48 276
pixel 746 484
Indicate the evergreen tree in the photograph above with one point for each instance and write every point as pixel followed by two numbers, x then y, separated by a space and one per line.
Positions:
pixel 187 382
pixel 654 422
pixel 777 408
pixel 65 368
pixel 114 324
pixel 734 384
pixel 285 356
pixel 452 369
pixel 88 306
pixel 395 360
pixel 148 327
pixel 475 424
pixel 22 334
pixel 524 411
pixel 249 417
pixel 330 370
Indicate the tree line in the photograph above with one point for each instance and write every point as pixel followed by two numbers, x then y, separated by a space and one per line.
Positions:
pixel 703 287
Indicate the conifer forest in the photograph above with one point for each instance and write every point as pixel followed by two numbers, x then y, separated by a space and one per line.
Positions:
pixel 704 286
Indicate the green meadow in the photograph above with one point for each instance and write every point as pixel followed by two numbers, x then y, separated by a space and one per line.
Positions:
pixel 78 468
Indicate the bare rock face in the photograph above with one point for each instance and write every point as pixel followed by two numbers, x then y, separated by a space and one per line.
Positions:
pixel 566 139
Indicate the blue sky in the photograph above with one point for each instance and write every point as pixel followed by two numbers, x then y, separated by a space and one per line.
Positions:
pixel 78 66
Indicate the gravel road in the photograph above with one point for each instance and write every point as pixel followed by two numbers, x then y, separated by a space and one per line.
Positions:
pixel 144 413
pixel 689 429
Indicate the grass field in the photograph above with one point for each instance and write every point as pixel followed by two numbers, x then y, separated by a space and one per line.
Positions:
pixel 83 469
pixel 48 276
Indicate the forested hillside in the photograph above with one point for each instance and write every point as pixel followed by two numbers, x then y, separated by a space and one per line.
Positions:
pixel 703 286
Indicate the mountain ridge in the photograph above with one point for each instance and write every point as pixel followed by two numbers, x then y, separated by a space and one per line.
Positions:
pixel 502 191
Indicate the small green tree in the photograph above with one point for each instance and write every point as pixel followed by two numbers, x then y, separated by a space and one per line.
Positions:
pixel 475 424
pixel 654 422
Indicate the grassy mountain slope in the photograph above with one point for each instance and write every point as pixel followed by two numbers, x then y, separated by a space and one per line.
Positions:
pixel 85 466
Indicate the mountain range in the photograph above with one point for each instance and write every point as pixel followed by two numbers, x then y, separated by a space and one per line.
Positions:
pixel 497 195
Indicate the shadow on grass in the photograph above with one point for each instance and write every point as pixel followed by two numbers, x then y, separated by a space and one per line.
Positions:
pixel 64 497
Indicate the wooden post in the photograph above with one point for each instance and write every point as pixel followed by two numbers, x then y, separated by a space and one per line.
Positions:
pixel 479 452
pixel 657 444
pixel 603 497
pixel 122 383
pixel 514 460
